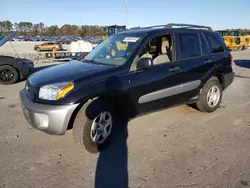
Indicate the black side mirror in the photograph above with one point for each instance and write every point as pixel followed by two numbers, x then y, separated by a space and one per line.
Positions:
pixel 144 63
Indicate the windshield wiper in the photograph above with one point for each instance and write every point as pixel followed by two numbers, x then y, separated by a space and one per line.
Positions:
pixel 97 62
pixel 91 61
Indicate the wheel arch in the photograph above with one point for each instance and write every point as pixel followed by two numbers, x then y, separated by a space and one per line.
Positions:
pixel 119 99
pixel 214 73
pixel 221 79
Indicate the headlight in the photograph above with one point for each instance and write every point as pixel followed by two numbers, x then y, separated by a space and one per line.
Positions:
pixel 55 91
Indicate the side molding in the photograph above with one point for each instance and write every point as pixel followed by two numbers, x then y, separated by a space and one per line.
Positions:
pixel 190 86
pixel 168 92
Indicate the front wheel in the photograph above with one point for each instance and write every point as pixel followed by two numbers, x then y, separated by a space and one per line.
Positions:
pixel 211 95
pixel 240 48
pixel 38 49
pixel 93 126
pixel 8 75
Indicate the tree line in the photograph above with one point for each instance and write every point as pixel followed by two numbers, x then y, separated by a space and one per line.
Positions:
pixel 31 29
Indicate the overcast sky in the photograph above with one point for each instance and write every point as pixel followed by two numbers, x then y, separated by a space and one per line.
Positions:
pixel 218 14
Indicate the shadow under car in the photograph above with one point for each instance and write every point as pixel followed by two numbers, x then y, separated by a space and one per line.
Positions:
pixel 242 63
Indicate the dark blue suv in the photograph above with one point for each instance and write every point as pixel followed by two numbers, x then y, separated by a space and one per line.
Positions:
pixel 129 74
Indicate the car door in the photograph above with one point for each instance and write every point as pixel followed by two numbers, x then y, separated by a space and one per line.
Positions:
pixel 194 60
pixel 156 87
pixel 218 55
pixel 50 46
pixel 5 38
pixel 44 46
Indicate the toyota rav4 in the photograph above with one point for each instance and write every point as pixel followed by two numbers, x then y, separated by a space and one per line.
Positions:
pixel 159 67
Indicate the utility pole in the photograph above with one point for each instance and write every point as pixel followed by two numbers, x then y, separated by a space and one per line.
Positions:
pixel 126 12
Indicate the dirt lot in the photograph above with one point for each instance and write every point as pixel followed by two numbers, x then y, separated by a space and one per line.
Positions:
pixel 23 47
pixel 178 147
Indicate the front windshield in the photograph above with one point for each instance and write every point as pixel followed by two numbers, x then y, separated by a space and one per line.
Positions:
pixel 115 50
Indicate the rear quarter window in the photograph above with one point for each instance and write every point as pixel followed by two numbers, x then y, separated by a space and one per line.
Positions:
pixel 215 42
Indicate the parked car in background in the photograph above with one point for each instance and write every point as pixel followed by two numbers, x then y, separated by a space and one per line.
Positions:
pixel 48 46
pixel 59 39
pixel 13 69
pixel 65 41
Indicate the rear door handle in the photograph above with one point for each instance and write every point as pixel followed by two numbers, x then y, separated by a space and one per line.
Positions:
pixel 208 61
pixel 173 69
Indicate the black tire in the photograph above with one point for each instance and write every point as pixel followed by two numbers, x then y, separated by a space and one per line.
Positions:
pixel 38 49
pixel 202 103
pixel 8 75
pixel 83 123
pixel 240 48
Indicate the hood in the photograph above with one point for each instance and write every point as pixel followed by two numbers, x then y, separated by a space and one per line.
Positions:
pixel 5 38
pixel 70 71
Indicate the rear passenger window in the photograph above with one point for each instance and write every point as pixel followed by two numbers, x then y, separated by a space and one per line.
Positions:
pixel 205 50
pixel 215 44
pixel 190 45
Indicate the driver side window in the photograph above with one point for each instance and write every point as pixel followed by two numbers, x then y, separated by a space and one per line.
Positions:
pixel 159 49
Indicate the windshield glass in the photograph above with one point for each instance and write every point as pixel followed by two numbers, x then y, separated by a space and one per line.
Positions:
pixel 115 50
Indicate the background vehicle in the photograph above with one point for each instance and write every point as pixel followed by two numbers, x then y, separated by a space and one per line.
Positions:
pixel 232 42
pixel 13 69
pixel 48 46
pixel 244 39
pixel 235 39
pixel 113 29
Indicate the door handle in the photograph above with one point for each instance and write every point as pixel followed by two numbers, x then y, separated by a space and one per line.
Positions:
pixel 208 61
pixel 173 69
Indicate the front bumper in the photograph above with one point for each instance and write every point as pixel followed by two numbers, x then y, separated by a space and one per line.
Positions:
pixel 48 118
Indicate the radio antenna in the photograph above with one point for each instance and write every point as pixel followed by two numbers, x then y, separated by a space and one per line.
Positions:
pixel 126 12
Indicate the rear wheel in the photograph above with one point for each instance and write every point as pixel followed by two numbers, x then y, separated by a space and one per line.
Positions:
pixel 8 75
pixel 211 95
pixel 38 49
pixel 240 48
pixel 93 126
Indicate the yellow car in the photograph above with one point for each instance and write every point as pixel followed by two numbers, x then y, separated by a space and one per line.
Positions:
pixel 48 46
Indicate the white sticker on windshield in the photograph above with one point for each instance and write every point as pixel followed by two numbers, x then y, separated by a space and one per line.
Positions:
pixel 130 39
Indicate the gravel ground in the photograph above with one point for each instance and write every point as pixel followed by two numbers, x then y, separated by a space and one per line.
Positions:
pixel 23 47
pixel 179 147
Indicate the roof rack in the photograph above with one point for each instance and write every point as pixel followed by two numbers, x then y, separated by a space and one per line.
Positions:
pixel 189 26
pixel 139 27
pixel 172 25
